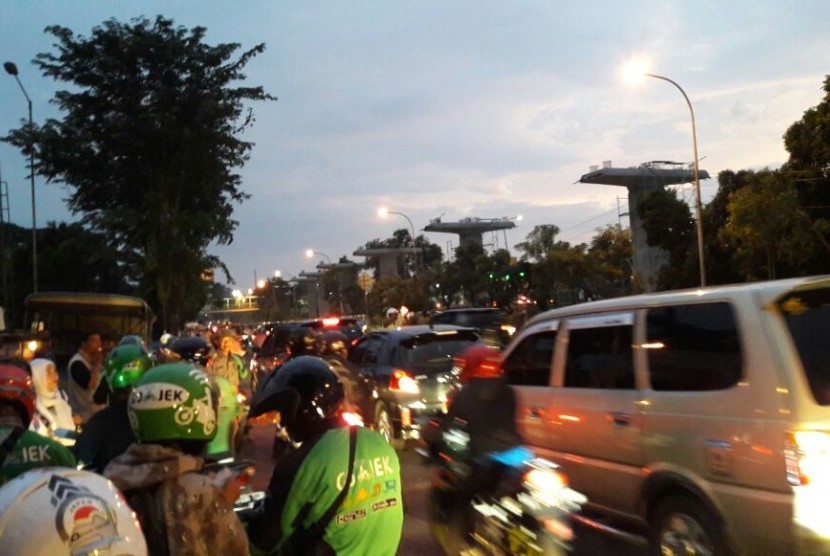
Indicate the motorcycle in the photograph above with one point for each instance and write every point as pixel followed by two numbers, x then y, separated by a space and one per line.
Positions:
pixel 510 502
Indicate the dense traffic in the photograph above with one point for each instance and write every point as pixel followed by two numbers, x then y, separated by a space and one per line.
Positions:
pixel 679 418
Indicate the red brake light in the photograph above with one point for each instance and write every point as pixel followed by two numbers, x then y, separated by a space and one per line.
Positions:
pixel 402 381
pixel 331 321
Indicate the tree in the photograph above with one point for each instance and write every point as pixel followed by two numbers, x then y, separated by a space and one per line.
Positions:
pixel 539 241
pixel 148 148
pixel 770 239
pixel 429 254
pixel 609 257
pixel 668 224
pixel 808 168
pixel 72 258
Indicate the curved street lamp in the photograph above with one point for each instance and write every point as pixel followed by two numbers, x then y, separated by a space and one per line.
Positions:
pixel 636 70
pixel 383 212
pixel 698 218
pixel 11 69
pixel 311 252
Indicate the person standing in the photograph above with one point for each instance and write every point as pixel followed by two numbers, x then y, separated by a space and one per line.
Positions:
pixel 83 373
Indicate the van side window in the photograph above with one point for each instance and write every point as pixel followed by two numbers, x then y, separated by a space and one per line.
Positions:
pixel 807 315
pixel 693 347
pixel 600 357
pixel 529 364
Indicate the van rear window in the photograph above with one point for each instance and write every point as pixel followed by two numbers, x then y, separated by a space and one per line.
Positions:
pixel 807 314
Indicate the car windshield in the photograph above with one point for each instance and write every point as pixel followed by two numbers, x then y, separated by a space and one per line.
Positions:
pixel 431 355
pixel 807 314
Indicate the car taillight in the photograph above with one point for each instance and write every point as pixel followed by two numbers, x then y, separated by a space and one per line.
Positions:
pixel 331 321
pixel 807 457
pixel 402 381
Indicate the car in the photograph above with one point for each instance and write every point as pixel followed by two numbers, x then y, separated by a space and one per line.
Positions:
pixel 271 348
pixel 352 327
pixel 404 376
pixel 700 417
pixel 489 321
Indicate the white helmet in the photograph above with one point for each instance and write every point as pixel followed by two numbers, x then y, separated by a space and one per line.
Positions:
pixel 59 511
pixel 391 312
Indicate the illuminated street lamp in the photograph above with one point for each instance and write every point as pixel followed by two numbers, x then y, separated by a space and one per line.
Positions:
pixel 632 72
pixel 383 212
pixel 311 252
pixel 11 69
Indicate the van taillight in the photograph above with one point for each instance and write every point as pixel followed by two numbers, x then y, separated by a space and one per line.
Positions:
pixel 807 457
pixel 402 381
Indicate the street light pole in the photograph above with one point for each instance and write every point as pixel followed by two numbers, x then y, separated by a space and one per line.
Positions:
pixel 699 220
pixel 383 212
pixel 11 69
pixel 311 252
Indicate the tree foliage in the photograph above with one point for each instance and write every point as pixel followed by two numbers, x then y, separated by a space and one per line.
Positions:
pixel 71 258
pixel 148 147
pixel 767 228
pixel 539 241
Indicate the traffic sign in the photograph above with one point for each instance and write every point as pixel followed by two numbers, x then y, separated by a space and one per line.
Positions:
pixel 365 281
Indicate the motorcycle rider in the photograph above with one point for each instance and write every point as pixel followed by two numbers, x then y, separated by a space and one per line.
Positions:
pixel 173 412
pixel 53 414
pixel 340 490
pixel 485 404
pixel 22 449
pixel 63 512
pixel 108 433
pixel 483 413
pixel 230 370
pixel 228 363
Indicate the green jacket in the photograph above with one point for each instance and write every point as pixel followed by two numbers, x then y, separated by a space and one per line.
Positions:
pixel 30 451
pixel 307 481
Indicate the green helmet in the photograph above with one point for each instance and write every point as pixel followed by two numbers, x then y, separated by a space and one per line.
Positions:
pixel 174 401
pixel 125 364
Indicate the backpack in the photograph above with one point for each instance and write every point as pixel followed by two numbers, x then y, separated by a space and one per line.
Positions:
pixel 150 514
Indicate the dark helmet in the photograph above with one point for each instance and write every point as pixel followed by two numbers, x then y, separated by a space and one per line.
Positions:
pixel 303 341
pixel 306 393
pixel 194 349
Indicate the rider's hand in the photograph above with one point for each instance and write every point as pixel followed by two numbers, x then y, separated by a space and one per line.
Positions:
pixel 228 483
pixel 270 418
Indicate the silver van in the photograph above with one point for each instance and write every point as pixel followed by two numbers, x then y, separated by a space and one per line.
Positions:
pixel 701 415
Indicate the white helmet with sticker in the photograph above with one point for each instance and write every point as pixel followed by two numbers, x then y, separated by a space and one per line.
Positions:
pixel 61 511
